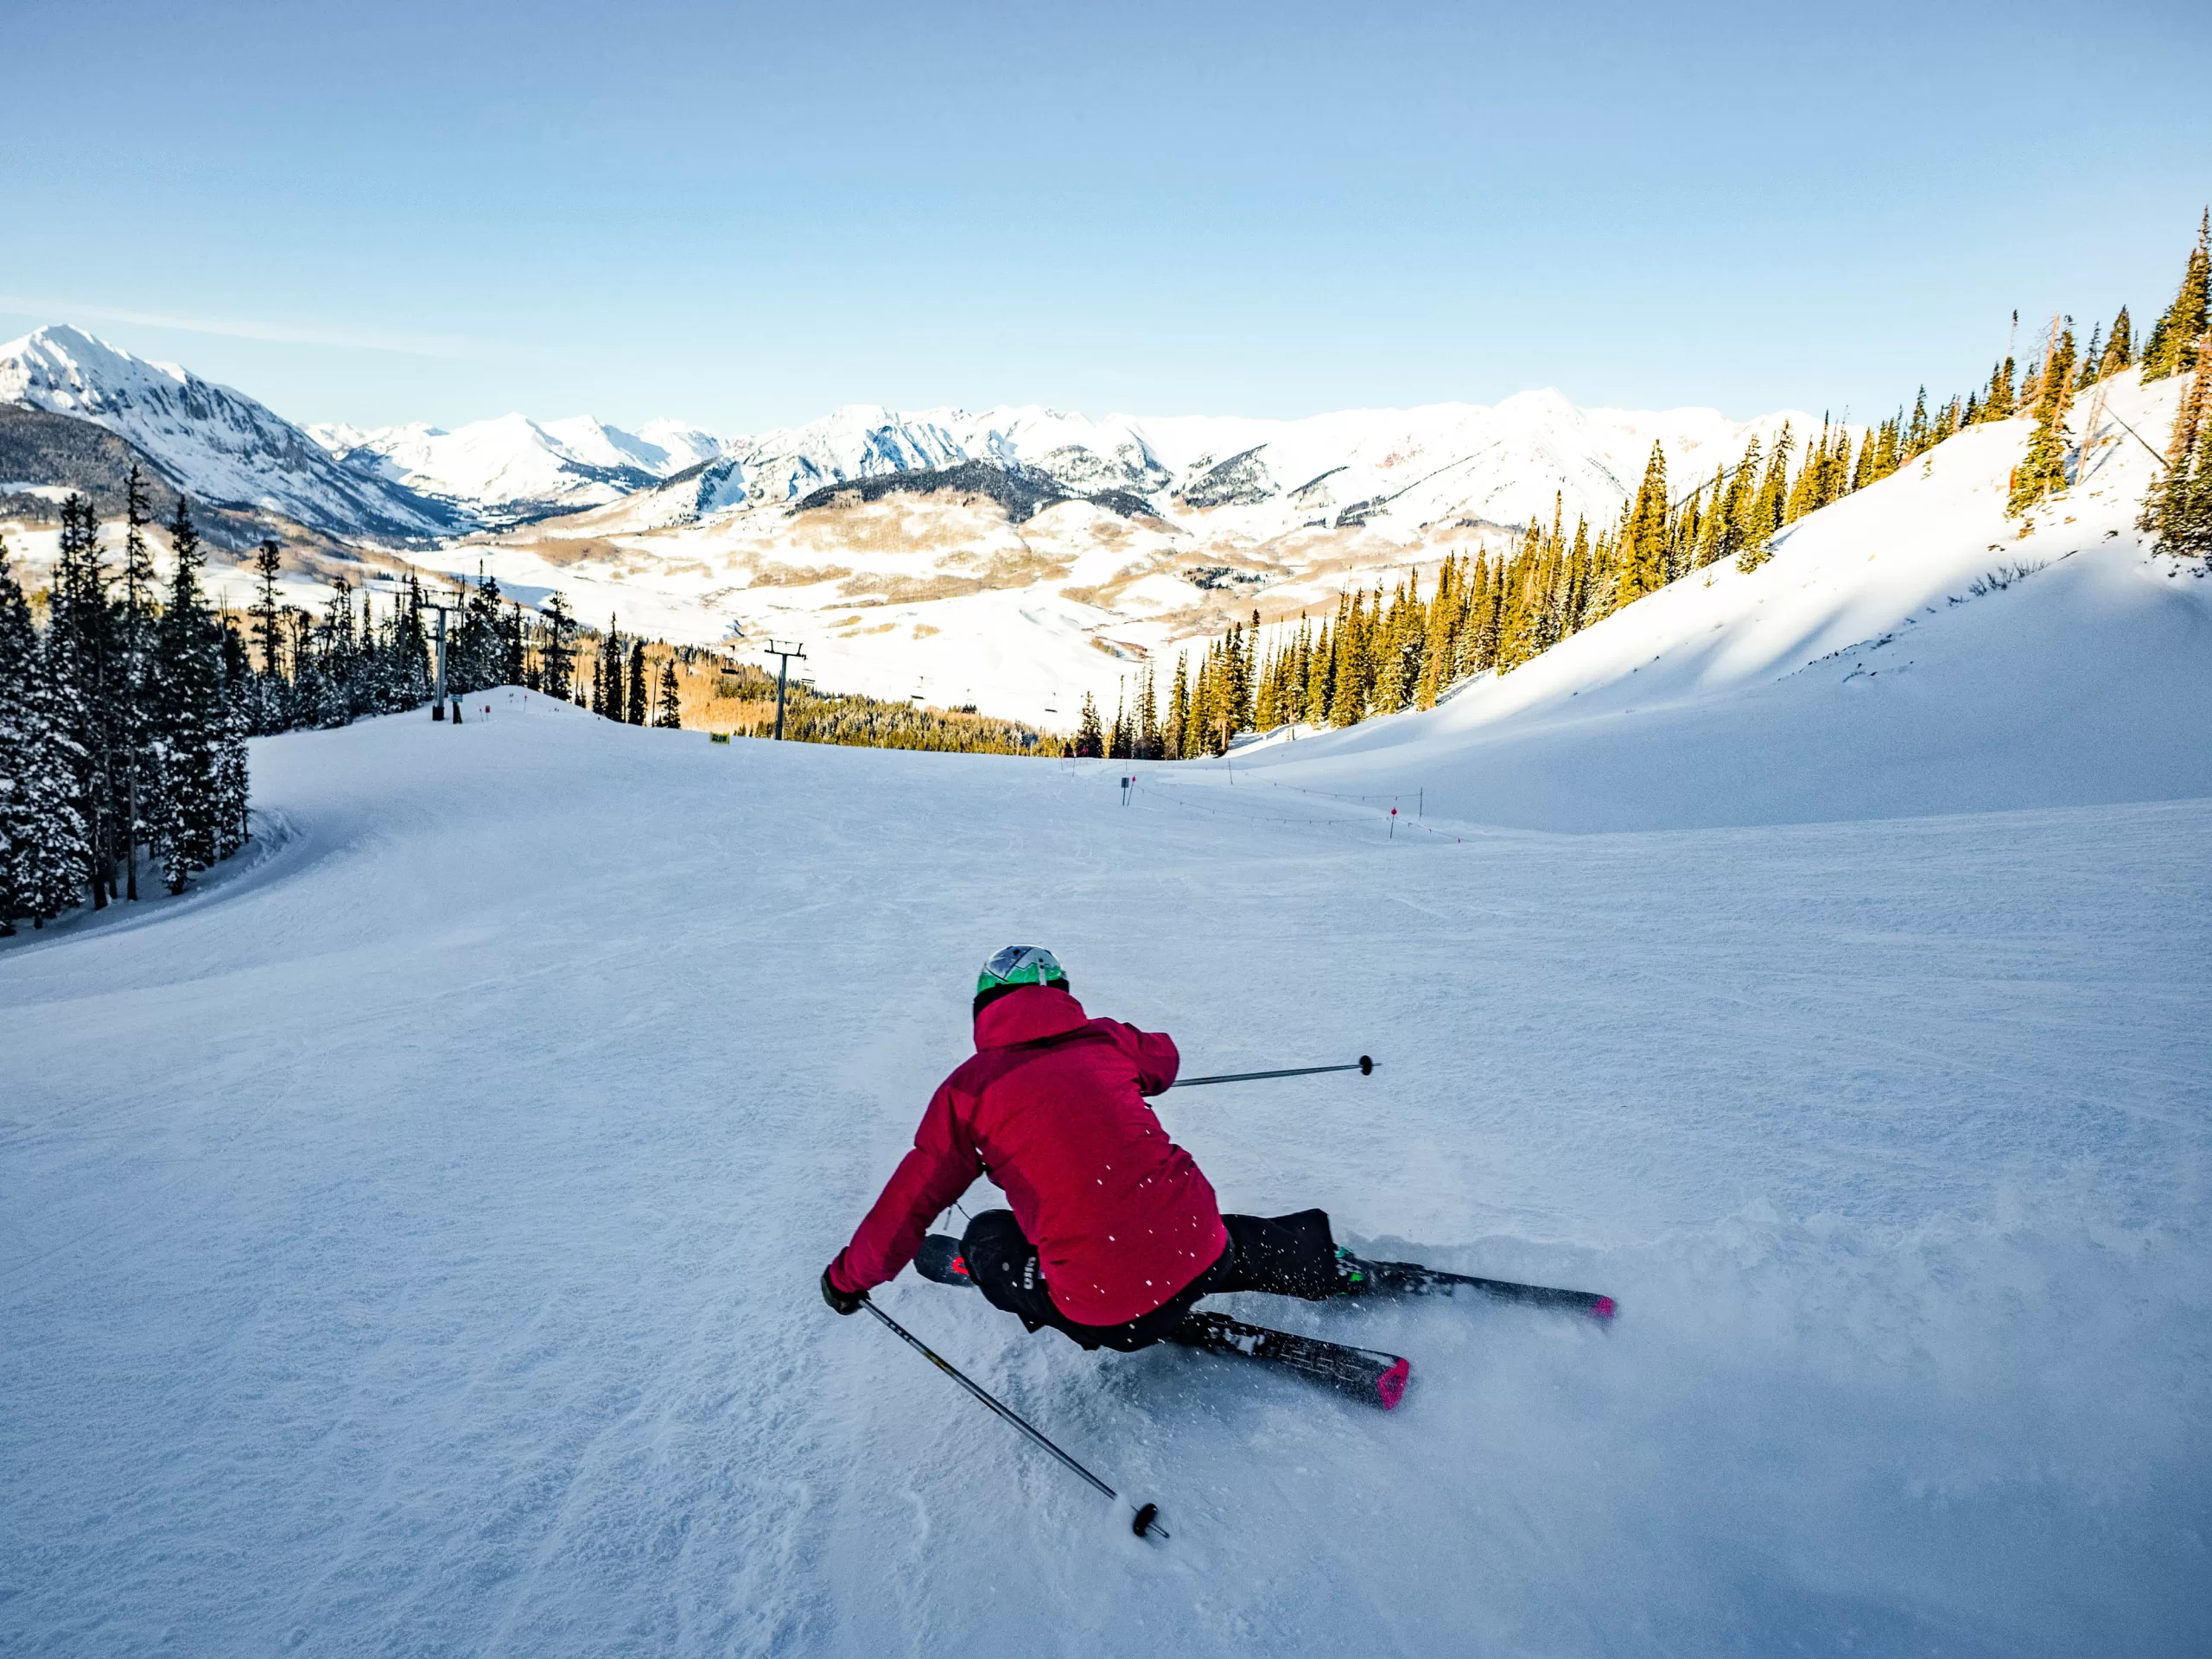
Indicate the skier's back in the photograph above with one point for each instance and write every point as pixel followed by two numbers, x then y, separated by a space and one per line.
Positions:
pixel 1114 1231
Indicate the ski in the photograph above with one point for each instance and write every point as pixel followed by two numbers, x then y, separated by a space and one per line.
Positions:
pixel 1411 1279
pixel 1365 1374
pixel 939 1259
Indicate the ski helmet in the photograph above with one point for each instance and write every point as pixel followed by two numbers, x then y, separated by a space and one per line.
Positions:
pixel 1021 965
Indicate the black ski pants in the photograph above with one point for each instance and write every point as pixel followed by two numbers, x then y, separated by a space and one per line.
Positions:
pixel 1286 1255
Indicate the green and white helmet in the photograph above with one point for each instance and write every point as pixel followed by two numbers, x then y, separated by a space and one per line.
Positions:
pixel 1021 965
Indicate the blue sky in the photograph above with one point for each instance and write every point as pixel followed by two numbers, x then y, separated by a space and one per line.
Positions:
pixel 744 217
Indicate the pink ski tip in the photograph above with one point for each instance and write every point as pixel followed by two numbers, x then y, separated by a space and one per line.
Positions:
pixel 1391 1385
pixel 1603 1309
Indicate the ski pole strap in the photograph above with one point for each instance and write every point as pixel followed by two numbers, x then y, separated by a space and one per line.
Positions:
pixel 1363 1065
pixel 1003 1410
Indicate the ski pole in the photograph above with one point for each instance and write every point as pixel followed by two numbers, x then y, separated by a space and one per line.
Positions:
pixel 1147 1521
pixel 1364 1066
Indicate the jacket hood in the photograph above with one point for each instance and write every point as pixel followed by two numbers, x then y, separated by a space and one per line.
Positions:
pixel 1029 1015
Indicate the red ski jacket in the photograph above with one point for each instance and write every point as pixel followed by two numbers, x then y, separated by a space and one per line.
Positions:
pixel 1051 1108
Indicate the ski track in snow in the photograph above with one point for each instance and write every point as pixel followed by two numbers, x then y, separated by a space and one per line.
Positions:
pixel 409 1245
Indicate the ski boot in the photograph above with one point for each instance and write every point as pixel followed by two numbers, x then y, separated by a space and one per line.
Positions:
pixel 1356 1277
pixel 939 1260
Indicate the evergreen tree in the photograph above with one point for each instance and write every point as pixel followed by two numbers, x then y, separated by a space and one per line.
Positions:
pixel 1644 535
pixel 140 781
pixel 2042 471
pixel 1179 711
pixel 338 659
pixel 1320 675
pixel 43 842
pixel 1348 696
pixel 2120 350
pixel 1863 473
pixel 634 708
pixel 1090 736
pixel 476 656
pixel 1762 512
pixel 1917 428
pixel 606 699
pixel 1238 698
pixel 233 786
pixel 1826 474
pixel 2179 507
pixel 2092 359
pixel 18 647
pixel 2001 402
pixel 1732 516
pixel 268 564
pixel 557 653
pixel 1436 641
pixel 2172 344
pixel 671 711
pixel 513 664
pixel 1205 694
pixel 188 714
pixel 84 659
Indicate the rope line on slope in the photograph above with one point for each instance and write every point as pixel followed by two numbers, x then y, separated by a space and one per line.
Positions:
pixel 1141 798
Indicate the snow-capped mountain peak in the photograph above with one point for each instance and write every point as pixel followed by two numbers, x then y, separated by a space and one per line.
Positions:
pixel 218 444
pixel 511 467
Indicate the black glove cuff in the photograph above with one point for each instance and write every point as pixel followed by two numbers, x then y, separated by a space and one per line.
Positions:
pixel 844 1301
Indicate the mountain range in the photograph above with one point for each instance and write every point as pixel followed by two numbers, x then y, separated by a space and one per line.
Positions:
pixel 1018 555
pixel 1500 464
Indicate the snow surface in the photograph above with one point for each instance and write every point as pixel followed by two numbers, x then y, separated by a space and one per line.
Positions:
pixel 408 1243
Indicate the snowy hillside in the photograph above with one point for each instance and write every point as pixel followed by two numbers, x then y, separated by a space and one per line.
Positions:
pixel 514 468
pixel 433 1269
pixel 1907 650
pixel 219 446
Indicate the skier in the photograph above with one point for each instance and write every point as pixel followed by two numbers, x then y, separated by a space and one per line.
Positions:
pixel 1114 1232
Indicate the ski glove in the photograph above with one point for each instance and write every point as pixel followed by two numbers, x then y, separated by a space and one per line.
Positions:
pixel 845 1301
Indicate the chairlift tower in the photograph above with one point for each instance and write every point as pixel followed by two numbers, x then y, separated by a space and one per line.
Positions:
pixel 783 652
pixel 438 704
pixel 438 701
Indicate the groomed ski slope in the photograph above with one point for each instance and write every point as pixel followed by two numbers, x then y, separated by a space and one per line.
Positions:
pixel 408 1243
